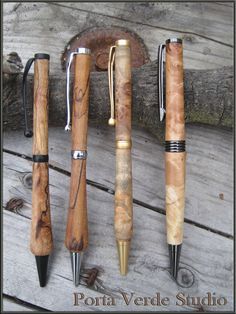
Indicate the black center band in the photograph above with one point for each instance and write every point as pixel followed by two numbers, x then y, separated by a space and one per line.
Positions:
pixel 40 158
pixel 175 146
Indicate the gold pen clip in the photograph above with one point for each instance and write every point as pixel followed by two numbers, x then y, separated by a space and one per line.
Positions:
pixel 161 52
pixel 112 120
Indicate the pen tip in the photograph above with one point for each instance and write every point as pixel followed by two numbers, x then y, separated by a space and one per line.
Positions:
pixel 42 266
pixel 76 259
pixel 123 252
pixel 174 253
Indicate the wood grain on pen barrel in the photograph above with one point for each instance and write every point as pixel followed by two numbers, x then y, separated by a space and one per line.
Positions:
pixel 77 226
pixel 123 187
pixel 175 130
pixel 41 233
pixel 40 116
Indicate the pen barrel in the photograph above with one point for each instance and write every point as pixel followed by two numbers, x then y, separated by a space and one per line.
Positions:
pixel 123 220
pixel 77 223
pixel 41 233
pixel 175 196
pixel 175 143
pixel 123 195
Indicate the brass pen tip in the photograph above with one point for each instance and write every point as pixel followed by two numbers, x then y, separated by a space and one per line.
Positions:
pixel 112 122
pixel 123 252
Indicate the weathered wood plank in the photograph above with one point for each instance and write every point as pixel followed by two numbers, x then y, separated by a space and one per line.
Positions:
pixel 206 257
pixel 205 19
pixel 209 178
pixel 22 34
pixel 11 306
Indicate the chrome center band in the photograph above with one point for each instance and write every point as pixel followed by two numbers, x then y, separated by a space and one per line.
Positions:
pixel 79 154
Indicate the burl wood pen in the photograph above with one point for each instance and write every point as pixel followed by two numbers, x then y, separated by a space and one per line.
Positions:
pixel 76 239
pixel 121 118
pixel 41 242
pixel 174 150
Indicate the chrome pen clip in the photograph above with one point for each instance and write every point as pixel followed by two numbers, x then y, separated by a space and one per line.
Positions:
pixel 161 56
pixel 68 127
pixel 112 120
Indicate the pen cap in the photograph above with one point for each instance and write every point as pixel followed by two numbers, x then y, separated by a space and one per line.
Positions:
pixel 80 51
pixel 28 132
pixel 175 118
pixel 40 109
pixel 123 90
pixel 81 99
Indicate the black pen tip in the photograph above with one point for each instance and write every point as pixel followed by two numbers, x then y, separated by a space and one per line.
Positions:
pixel 174 253
pixel 28 133
pixel 42 266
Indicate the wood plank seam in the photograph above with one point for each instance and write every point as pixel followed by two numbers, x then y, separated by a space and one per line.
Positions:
pixel 24 303
pixel 135 201
pixel 146 24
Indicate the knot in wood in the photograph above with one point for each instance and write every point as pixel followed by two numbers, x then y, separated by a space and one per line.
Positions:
pixel 93 273
pixel 185 277
pixel 14 204
pixel 27 180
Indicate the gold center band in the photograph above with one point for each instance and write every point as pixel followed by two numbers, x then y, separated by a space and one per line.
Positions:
pixel 124 144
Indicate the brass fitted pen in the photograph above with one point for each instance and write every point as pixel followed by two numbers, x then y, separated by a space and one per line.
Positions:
pixel 76 239
pixel 121 117
pixel 41 242
pixel 174 145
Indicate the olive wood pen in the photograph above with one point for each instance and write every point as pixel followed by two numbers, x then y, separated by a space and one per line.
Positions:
pixel 175 154
pixel 41 242
pixel 121 117
pixel 76 239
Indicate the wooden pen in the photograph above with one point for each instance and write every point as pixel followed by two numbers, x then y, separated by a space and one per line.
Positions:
pixel 174 150
pixel 121 118
pixel 76 239
pixel 41 242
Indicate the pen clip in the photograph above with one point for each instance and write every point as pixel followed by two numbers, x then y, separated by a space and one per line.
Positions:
pixel 161 51
pixel 112 120
pixel 27 132
pixel 68 127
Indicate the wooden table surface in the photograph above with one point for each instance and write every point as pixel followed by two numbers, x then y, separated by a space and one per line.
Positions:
pixel 207 254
